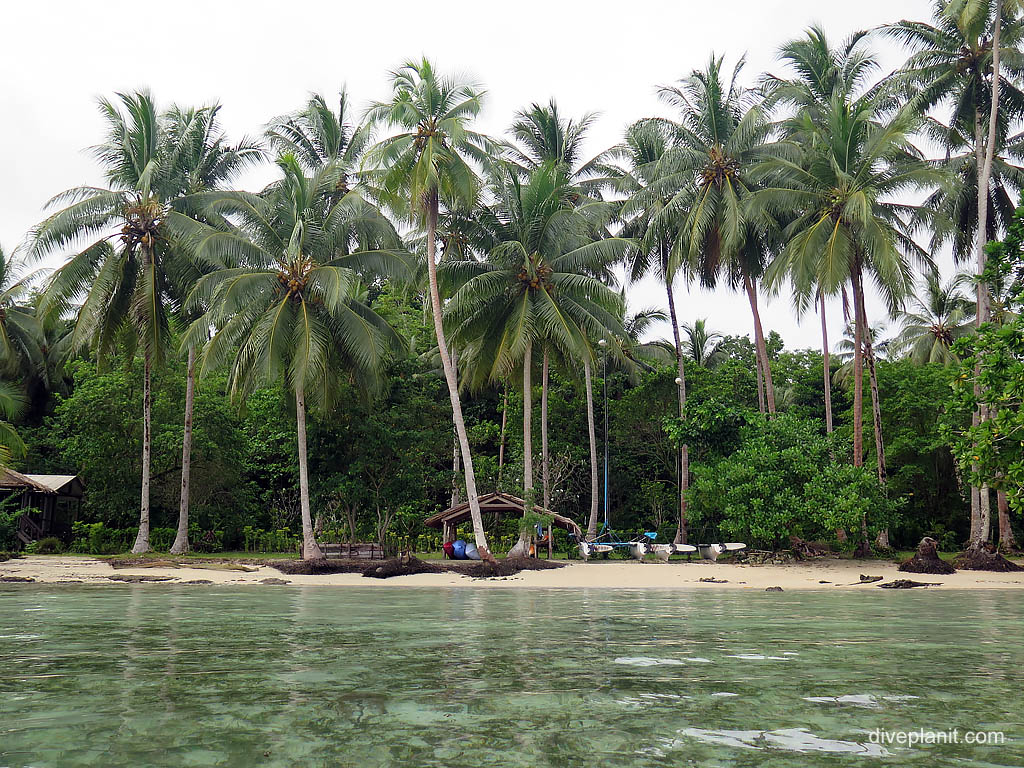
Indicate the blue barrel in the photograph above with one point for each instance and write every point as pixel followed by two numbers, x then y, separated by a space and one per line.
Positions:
pixel 471 552
pixel 459 550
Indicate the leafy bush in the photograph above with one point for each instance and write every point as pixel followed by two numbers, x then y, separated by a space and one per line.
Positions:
pixel 161 539
pixel 9 517
pixel 98 539
pixel 51 545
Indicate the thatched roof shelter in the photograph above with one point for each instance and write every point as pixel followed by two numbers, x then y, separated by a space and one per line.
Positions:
pixel 55 499
pixel 500 503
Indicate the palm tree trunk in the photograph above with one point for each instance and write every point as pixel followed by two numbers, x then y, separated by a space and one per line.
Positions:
pixel 453 384
pixel 762 349
pixel 984 299
pixel 142 540
pixel 522 547
pixel 527 424
pixel 180 545
pixel 501 444
pixel 858 386
pixel 684 450
pixel 310 549
pixel 455 445
pixel 760 382
pixel 1007 541
pixel 545 465
pixel 592 435
pixel 876 410
pixel 826 367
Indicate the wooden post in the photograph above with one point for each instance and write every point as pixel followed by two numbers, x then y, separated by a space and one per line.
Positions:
pixel 551 544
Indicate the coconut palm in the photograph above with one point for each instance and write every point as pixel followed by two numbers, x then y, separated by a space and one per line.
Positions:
pixel 130 272
pixel 723 232
pixel 317 136
pixel 841 164
pixel 11 403
pixel 295 309
pixel 543 283
pixel 702 344
pixel 642 168
pixel 941 314
pixel 199 159
pixel 20 329
pixel 429 158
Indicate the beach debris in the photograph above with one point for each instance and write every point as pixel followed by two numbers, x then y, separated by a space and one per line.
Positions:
pixel 198 581
pixel 274 580
pixel 807 549
pixel 16 579
pixel 203 565
pixel 985 557
pixel 713 580
pixel 868 579
pixel 773 589
pixel 136 579
pixel 822 581
pixel 400 566
pixel 908 584
pixel 926 559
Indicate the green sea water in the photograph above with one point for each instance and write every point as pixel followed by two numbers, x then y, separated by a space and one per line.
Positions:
pixel 154 675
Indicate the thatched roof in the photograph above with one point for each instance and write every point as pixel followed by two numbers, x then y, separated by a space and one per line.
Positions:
pixel 52 484
pixel 497 502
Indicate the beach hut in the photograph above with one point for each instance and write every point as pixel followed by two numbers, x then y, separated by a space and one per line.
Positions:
pixel 497 504
pixel 55 501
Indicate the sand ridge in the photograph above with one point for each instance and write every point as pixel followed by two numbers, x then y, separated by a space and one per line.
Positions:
pixel 825 574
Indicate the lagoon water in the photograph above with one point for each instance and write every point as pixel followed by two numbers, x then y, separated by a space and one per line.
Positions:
pixel 154 675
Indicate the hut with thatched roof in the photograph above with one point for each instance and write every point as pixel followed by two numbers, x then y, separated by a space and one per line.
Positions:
pixel 51 502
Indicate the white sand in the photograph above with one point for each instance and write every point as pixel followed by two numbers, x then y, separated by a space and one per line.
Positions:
pixel 839 574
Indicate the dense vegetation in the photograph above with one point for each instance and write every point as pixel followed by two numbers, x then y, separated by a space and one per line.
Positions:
pixel 309 333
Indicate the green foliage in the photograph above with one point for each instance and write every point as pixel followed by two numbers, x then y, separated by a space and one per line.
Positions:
pixel 991 376
pixel 10 515
pixel 51 545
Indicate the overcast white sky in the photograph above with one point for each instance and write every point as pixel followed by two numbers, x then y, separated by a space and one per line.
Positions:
pixel 262 59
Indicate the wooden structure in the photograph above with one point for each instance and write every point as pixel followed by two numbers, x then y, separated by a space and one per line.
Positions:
pixel 357 551
pixel 496 503
pixel 55 499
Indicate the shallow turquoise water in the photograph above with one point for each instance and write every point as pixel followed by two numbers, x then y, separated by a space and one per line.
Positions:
pixel 151 675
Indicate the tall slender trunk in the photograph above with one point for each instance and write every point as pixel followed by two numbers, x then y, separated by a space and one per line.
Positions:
pixel 142 540
pixel 826 367
pixel 760 382
pixel 527 423
pixel 545 465
pixel 501 444
pixel 684 450
pixel 456 465
pixel 762 348
pixel 858 385
pixel 595 494
pixel 984 312
pixel 310 548
pixel 876 410
pixel 453 384
pixel 1007 541
pixel 181 545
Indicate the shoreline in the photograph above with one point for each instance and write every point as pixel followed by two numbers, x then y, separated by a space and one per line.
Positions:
pixel 821 575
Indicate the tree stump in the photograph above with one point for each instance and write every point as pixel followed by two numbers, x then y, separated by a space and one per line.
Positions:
pixel 927 559
pixel 984 557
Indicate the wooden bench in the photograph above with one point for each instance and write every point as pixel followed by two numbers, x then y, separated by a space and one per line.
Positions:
pixel 356 551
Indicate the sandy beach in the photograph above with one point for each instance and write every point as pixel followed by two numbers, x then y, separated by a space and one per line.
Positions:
pixel 827 574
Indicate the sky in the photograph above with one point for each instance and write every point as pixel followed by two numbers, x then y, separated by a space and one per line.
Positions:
pixel 261 59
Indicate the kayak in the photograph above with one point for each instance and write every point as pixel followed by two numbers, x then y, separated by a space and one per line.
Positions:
pixel 471 552
pixel 459 550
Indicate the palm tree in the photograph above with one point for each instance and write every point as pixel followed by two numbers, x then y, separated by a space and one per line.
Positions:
pixel 841 163
pixel 542 136
pixel 543 283
pixel 723 231
pixel 11 403
pixel 127 278
pixel 199 160
pixel 970 58
pixel 20 330
pixel 429 158
pixel 702 345
pixel 295 309
pixel 644 166
pixel 940 316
